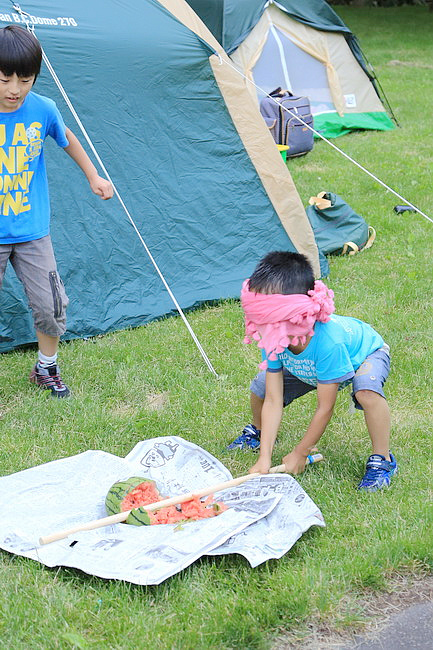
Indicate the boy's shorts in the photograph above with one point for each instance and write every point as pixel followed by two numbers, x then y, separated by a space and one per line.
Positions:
pixel 36 268
pixel 371 375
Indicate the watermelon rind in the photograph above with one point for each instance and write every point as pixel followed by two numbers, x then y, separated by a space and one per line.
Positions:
pixel 118 492
pixel 138 517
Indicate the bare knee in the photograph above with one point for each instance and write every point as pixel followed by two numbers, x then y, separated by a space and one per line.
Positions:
pixel 256 399
pixel 368 398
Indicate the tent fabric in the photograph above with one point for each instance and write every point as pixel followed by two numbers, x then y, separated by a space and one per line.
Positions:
pixel 260 147
pixel 203 181
pixel 303 47
pixel 270 165
pixel 309 40
pixel 231 21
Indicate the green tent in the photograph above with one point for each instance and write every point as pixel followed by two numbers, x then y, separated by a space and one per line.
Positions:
pixel 186 149
pixel 302 46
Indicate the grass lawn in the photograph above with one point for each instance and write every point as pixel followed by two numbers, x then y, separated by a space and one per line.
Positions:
pixel 119 378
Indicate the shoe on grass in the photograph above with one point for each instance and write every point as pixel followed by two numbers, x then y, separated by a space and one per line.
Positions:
pixel 249 439
pixel 378 473
pixel 49 379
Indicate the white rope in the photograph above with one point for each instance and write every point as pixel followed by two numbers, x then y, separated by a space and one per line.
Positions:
pixel 331 144
pixel 90 143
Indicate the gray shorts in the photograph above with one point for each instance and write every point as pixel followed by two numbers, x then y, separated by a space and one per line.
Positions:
pixel 371 375
pixel 36 268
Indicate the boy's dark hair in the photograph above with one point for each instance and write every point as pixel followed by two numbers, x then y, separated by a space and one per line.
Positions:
pixel 20 52
pixel 282 272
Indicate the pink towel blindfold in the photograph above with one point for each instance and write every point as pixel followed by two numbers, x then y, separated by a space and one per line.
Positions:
pixel 276 320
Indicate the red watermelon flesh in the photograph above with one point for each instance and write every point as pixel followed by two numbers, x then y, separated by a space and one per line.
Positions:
pixel 197 509
pixel 141 495
pixel 192 510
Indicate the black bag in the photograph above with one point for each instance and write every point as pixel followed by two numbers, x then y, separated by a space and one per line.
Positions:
pixel 285 128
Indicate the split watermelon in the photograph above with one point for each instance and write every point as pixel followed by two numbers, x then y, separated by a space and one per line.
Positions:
pixel 136 491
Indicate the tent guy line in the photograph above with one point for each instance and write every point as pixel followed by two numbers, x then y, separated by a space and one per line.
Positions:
pixel 322 137
pixel 65 96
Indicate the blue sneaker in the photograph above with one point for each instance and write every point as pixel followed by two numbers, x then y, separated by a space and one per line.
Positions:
pixel 378 473
pixel 249 439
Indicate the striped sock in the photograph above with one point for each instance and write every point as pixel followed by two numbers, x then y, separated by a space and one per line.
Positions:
pixel 46 362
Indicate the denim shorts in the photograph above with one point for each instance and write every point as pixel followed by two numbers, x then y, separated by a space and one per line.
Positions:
pixel 371 375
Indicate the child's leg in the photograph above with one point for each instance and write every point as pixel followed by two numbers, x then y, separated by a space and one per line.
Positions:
pixel 48 345
pixel 36 268
pixel 256 404
pixel 368 394
pixel 293 388
pixel 378 420
pixel 381 465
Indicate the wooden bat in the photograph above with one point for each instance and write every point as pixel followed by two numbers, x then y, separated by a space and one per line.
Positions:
pixel 172 501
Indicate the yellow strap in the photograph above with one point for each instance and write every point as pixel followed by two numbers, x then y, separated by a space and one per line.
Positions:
pixel 355 248
pixel 320 201
pixel 352 245
pixel 371 237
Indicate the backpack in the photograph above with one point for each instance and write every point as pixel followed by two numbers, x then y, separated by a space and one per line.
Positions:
pixel 337 228
pixel 284 127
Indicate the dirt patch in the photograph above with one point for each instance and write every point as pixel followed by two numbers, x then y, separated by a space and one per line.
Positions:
pixel 123 410
pixel 156 401
pixel 401 594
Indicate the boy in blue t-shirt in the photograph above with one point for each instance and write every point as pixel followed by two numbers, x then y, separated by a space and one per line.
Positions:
pixel 304 347
pixel 26 119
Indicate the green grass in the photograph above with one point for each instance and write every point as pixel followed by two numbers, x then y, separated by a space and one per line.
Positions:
pixel 221 602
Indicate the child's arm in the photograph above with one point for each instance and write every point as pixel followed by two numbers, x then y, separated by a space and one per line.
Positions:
pixel 326 396
pixel 272 411
pixel 100 186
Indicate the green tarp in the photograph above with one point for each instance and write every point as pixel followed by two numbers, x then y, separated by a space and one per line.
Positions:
pixel 334 125
pixel 143 87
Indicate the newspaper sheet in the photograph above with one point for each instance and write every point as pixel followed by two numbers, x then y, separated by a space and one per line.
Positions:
pixel 273 535
pixel 265 518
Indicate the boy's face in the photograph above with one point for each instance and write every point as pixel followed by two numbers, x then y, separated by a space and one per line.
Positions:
pixel 13 91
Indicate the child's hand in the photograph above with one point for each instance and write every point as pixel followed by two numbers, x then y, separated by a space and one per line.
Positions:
pixel 295 462
pixel 102 187
pixel 262 467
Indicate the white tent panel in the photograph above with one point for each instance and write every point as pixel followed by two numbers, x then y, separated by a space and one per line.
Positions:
pixel 305 76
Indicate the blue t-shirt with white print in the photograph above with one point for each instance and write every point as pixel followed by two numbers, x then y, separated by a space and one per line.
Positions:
pixel 24 198
pixel 333 354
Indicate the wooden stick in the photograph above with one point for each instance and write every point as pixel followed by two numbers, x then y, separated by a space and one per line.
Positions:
pixel 172 501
